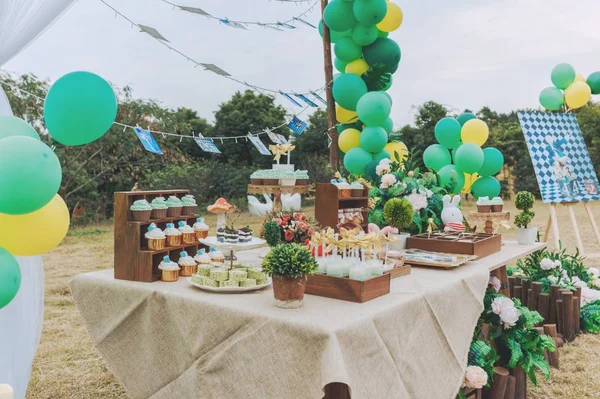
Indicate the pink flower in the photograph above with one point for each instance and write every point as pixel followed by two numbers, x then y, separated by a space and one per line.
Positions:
pixel 495 282
pixel 411 173
pixel 383 167
pixel 389 230
pixel 387 181
pixel 303 226
pixel 299 216
pixel 288 235
pixel 505 308
pixel 475 377
pixel 418 201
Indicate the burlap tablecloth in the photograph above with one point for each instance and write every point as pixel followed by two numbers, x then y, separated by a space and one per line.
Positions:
pixel 172 340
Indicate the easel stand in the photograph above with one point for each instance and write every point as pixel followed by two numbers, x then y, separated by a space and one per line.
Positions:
pixel 553 222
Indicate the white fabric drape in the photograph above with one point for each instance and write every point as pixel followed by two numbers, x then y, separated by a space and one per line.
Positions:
pixel 21 21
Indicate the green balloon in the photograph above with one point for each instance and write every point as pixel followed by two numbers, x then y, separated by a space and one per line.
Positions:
pixel 448 173
pixel 382 34
pixel 373 139
pixel 464 118
pixel 388 125
pixel 389 97
pixel 371 170
pixel 370 12
pixel 10 277
pixel 447 132
pixel 436 156
pixel 552 98
pixel 363 35
pixel 12 126
pixel 338 15
pixel 563 75
pixel 594 82
pixel 382 82
pixel 340 65
pixel 346 50
pixel 31 175
pixel 334 35
pixel 80 108
pixel 486 187
pixel 348 89
pixel 356 160
pixel 384 53
pixel 373 108
pixel 469 158
pixel 336 75
pixel 493 161
pixel 381 155
pixel 453 153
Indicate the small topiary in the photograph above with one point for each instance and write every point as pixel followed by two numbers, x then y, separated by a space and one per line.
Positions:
pixel 524 201
pixel 289 260
pixel 272 233
pixel 398 213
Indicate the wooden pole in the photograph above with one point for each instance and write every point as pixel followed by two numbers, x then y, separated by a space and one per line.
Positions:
pixel 512 282
pixel 554 296
pixel 499 385
pixel 526 287
pixel 547 231
pixel 532 301
pixel 576 228
pixel 568 316
pixel 328 65
pixel 518 292
pixel 550 330
pixel 577 309
pixel 544 307
pixel 510 387
pixel 586 205
pixel 555 225
pixel 520 383
pixel 559 317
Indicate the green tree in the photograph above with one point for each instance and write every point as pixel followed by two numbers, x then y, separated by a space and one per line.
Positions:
pixel 314 138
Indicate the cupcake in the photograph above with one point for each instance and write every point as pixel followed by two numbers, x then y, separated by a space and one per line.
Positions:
pixel 287 178
pixel 141 210
pixel 302 178
pixel 497 204
pixel 245 234
pixel 484 205
pixel 217 256
pixel 357 189
pixel 257 177
pixel 170 270
pixel 159 208
pixel 231 236
pixel 189 205
pixel 221 235
pixel 173 235
pixel 270 178
pixel 188 265
pixel 188 234
pixel 200 228
pixel 202 258
pixel 156 238
pixel 174 206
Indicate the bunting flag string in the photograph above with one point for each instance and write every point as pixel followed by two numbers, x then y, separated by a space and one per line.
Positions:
pixel 276 25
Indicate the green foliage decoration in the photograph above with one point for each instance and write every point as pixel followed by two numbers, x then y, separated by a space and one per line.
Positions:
pixel 398 213
pixel 524 201
pixel 590 317
pixel 272 233
pixel 290 260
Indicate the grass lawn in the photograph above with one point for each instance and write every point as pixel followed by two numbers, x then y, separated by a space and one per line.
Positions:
pixel 68 366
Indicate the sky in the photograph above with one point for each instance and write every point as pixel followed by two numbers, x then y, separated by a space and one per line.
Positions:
pixel 461 53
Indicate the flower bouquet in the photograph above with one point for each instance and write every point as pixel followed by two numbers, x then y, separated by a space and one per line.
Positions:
pixel 288 228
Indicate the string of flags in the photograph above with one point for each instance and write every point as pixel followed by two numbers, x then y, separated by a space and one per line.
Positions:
pixel 276 25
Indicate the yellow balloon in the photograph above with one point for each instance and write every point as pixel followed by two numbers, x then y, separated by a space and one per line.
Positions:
pixel 475 131
pixel 392 20
pixel 357 67
pixel 577 95
pixel 469 180
pixel 349 139
pixel 398 147
pixel 580 78
pixel 345 116
pixel 37 232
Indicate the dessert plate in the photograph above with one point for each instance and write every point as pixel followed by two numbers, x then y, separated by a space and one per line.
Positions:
pixel 230 290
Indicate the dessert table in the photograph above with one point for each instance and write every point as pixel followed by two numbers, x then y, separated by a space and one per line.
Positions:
pixel 168 340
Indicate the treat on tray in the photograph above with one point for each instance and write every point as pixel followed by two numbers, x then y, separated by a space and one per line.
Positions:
pixel 249 282
pixel 217 256
pixel 202 258
pixel 242 276
pixel 484 205
pixel 188 234
pixel 173 235
pixel 245 234
pixel 189 205
pixel 200 228
pixel 188 265
pixel 174 205
pixel 357 189
pixel 204 280
pixel 159 208
pixel 170 270
pixel 287 178
pixel 219 274
pixel 221 235
pixel 257 177
pixel 156 238
pixel 302 178
pixel 238 275
pixel 271 177
pixel 255 273
pixel 141 210
pixel 229 283
pixel 204 270
pixel 231 235
pixel 497 204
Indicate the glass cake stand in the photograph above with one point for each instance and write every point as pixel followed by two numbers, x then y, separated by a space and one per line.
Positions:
pixel 232 248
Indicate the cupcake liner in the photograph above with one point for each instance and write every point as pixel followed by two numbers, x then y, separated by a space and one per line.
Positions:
pixel 156 244
pixel 174 211
pixel 188 238
pixel 357 192
pixel 189 210
pixel 201 233
pixel 256 182
pixel 173 241
pixel 302 182
pixel 169 276
pixel 270 182
pixel 188 271
pixel 484 208
pixel 159 213
pixel 497 208
pixel 141 216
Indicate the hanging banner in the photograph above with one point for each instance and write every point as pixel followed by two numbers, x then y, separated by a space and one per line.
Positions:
pixel 259 145
pixel 147 140
pixel 307 100
pixel 297 125
pixel 290 98
pixel 207 145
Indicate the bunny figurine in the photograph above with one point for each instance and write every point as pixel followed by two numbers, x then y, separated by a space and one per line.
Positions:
pixel 451 215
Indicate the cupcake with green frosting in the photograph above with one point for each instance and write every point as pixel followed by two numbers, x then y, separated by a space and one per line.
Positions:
pixel 287 178
pixel 141 210
pixel 174 206
pixel 189 205
pixel 257 177
pixel 302 178
pixel 159 208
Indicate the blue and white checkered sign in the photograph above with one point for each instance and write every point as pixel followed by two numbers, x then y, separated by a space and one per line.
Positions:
pixel 561 161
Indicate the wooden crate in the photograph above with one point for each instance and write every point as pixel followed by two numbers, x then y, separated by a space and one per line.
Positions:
pixel 478 244
pixel 399 271
pixel 348 290
pixel 328 203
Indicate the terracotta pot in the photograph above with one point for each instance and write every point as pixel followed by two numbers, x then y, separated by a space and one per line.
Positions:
pixel 289 292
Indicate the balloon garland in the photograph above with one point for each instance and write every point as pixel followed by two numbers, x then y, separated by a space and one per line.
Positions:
pixel 366 59
pixel 571 89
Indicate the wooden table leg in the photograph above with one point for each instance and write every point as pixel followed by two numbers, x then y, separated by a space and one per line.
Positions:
pixel 336 390
pixel 277 202
pixel 502 274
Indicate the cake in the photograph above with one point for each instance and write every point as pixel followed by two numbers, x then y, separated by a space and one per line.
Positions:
pixel 189 205
pixel 170 270
pixel 217 256
pixel 344 189
pixel 238 275
pixel 229 283
pixel 187 264
pixel 173 235
pixel 245 234
pixel 202 258
pixel 302 178
pixel 231 236
pixel 156 238
pixel 249 282
pixel 159 208
pixel 188 234
pixel 497 204
pixel 200 228
pixel 174 205
pixel 204 270
pixel 204 280
pixel 141 210
pixel 219 274
pixel 484 205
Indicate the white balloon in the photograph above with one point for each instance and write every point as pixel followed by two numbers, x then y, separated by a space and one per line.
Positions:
pixel 5 109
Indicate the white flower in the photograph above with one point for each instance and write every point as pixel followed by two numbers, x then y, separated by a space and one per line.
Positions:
pixel 418 201
pixel 594 271
pixel 557 264
pixel 495 282
pixel 565 274
pixel 595 283
pixel 387 181
pixel 475 377
pixel 553 280
pixel 411 173
pixel 505 308
pixel 548 264
pixel 383 167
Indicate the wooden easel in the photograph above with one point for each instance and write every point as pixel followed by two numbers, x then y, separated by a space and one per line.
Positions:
pixel 553 222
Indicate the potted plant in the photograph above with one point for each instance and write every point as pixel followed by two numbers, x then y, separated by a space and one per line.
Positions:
pixel 524 202
pixel 289 265
pixel 398 213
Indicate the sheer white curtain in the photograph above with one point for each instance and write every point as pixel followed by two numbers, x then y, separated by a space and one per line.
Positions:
pixel 21 21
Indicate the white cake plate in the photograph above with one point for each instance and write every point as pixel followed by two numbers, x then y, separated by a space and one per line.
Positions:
pixel 231 249
pixel 230 290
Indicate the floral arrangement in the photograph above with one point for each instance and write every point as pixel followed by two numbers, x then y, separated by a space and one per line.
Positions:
pixel 405 181
pixel 292 228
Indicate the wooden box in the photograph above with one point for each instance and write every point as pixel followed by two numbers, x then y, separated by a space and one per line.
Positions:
pixel 478 244
pixel 399 271
pixel 328 203
pixel 348 290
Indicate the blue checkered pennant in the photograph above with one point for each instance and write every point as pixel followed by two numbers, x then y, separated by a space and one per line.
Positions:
pixel 560 158
pixel 297 125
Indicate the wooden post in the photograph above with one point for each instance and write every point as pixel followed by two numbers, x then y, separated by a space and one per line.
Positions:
pixel 547 231
pixel 510 388
pixel 486 331
pixel 518 292
pixel 520 383
pixel 544 307
pixel 328 65
pixel 337 390
pixel 568 316
pixel 559 316
pixel 550 330
pixel 586 205
pixel 555 225
pixel 526 287
pixel 499 385
pixel 502 274
pixel 532 301
pixel 576 228
pixel 554 296
pixel 512 282
pixel 577 310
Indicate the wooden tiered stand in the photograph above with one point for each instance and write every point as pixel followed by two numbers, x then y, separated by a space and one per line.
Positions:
pixel 133 260
pixel 328 204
